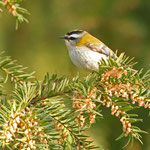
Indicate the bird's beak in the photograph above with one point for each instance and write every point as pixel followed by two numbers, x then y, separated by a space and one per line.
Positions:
pixel 63 37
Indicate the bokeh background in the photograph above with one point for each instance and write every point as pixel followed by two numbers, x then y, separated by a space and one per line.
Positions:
pixel 123 25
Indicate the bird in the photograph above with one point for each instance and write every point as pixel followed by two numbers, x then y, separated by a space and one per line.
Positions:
pixel 85 50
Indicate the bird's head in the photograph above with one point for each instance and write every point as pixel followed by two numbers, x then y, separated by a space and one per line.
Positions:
pixel 73 37
pixel 79 38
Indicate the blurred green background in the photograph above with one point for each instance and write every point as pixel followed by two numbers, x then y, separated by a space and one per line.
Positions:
pixel 123 25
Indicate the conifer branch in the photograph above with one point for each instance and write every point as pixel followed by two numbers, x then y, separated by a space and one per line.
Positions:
pixel 55 113
pixel 63 121
pixel 16 73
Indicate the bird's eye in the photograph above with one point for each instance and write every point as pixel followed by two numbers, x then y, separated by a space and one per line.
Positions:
pixel 72 38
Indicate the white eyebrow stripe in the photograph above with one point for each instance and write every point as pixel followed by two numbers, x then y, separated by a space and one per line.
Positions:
pixel 75 35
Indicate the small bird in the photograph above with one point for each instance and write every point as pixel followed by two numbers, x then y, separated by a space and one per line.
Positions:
pixel 85 50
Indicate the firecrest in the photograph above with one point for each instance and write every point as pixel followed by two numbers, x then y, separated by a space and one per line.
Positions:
pixel 85 50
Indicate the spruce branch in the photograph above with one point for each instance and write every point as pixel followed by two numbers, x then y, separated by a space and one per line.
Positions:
pixel 50 103
pixel 54 114
pixel 16 73
pixel 66 131
pixel 121 86
pixel 52 87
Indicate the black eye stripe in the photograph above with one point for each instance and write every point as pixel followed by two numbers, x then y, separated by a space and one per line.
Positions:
pixel 72 38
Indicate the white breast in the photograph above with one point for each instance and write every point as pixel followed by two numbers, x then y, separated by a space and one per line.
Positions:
pixel 85 58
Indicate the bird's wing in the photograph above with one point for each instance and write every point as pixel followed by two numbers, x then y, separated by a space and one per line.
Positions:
pixel 101 48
